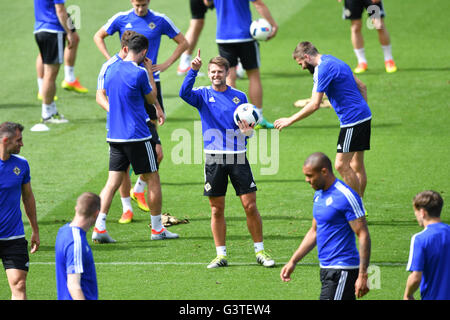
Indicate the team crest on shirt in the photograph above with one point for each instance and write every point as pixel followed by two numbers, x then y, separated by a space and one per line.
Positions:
pixel 152 25
pixel 236 100
pixel 329 201
pixel 16 170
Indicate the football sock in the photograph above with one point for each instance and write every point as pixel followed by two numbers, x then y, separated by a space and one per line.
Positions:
pixel 387 51
pixel 100 224
pixel 156 223
pixel 185 60
pixel 360 55
pixel 221 251
pixel 48 110
pixel 259 246
pixel 69 74
pixel 39 82
pixel 126 204
pixel 140 185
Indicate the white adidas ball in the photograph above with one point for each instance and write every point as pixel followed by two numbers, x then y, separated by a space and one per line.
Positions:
pixel 260 29
pixel 247 112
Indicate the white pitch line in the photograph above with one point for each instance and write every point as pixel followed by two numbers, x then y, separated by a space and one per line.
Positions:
pixel 383 264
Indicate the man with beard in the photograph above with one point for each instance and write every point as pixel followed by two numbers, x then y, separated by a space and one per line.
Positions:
pixel 348 96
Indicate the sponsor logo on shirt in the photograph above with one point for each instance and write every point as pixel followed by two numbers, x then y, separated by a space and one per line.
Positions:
pixel 128 26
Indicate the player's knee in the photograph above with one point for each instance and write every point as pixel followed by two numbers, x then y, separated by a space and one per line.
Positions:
pixel 18 287
pixel 356 26
pixel 342 166
pixel 250 208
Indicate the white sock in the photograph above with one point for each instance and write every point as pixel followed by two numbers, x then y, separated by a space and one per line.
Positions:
pixel 126 204
pixel 360 55
pixel 140 185
pixel 100 224
pixel 387 51
pixel 185 60
pixel 156 223
pixel 48 110
pixel 39 82
pixel 259 246
pixel 221 251
pixel 69 74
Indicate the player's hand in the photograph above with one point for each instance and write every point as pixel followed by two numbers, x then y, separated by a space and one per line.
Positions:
pixel 245 128
pixel 197 62
pixel 282 123
pixel 35 242
pixel 273 33
pixel 160 67
pixel 148 64
pixel 361 287
pixel 286 272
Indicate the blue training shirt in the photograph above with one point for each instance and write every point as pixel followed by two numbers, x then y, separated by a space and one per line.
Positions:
pixel 45 16
pixel 430 254
pixel 220 133
pixel 14 173
pixel 335 78
pixel 73 255
pixel 126 85
pixel 333 209
pixel 233 21
pixel 153 26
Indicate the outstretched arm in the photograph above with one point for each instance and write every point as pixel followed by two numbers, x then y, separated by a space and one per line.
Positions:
pixel 309 109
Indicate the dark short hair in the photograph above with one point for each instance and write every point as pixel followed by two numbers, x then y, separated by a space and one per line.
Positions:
pixel 303 48
pixel 137 43
pixel 126 37
pixel 429 200
pixel 319 160
pixel 220 61
pixel 9 129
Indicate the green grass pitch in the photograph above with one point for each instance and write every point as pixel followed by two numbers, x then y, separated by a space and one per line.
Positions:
pixel 410 153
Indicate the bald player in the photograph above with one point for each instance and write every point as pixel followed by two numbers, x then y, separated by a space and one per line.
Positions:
pixel 338 214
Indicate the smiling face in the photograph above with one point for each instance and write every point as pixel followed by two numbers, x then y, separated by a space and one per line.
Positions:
pixel 218 75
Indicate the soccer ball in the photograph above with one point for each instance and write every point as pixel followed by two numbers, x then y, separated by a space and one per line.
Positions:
pixel 260 29
pixel 247 112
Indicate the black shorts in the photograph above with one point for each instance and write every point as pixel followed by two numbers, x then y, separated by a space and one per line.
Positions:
pixel 141 155
pixel 356 138
pixel 14 254
pixel 218 167
pixel 247 52
pixel 151 111
pixel 155 136
pixel 353 9
pixel 338 284
pixel 51 46
pixel 198 9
